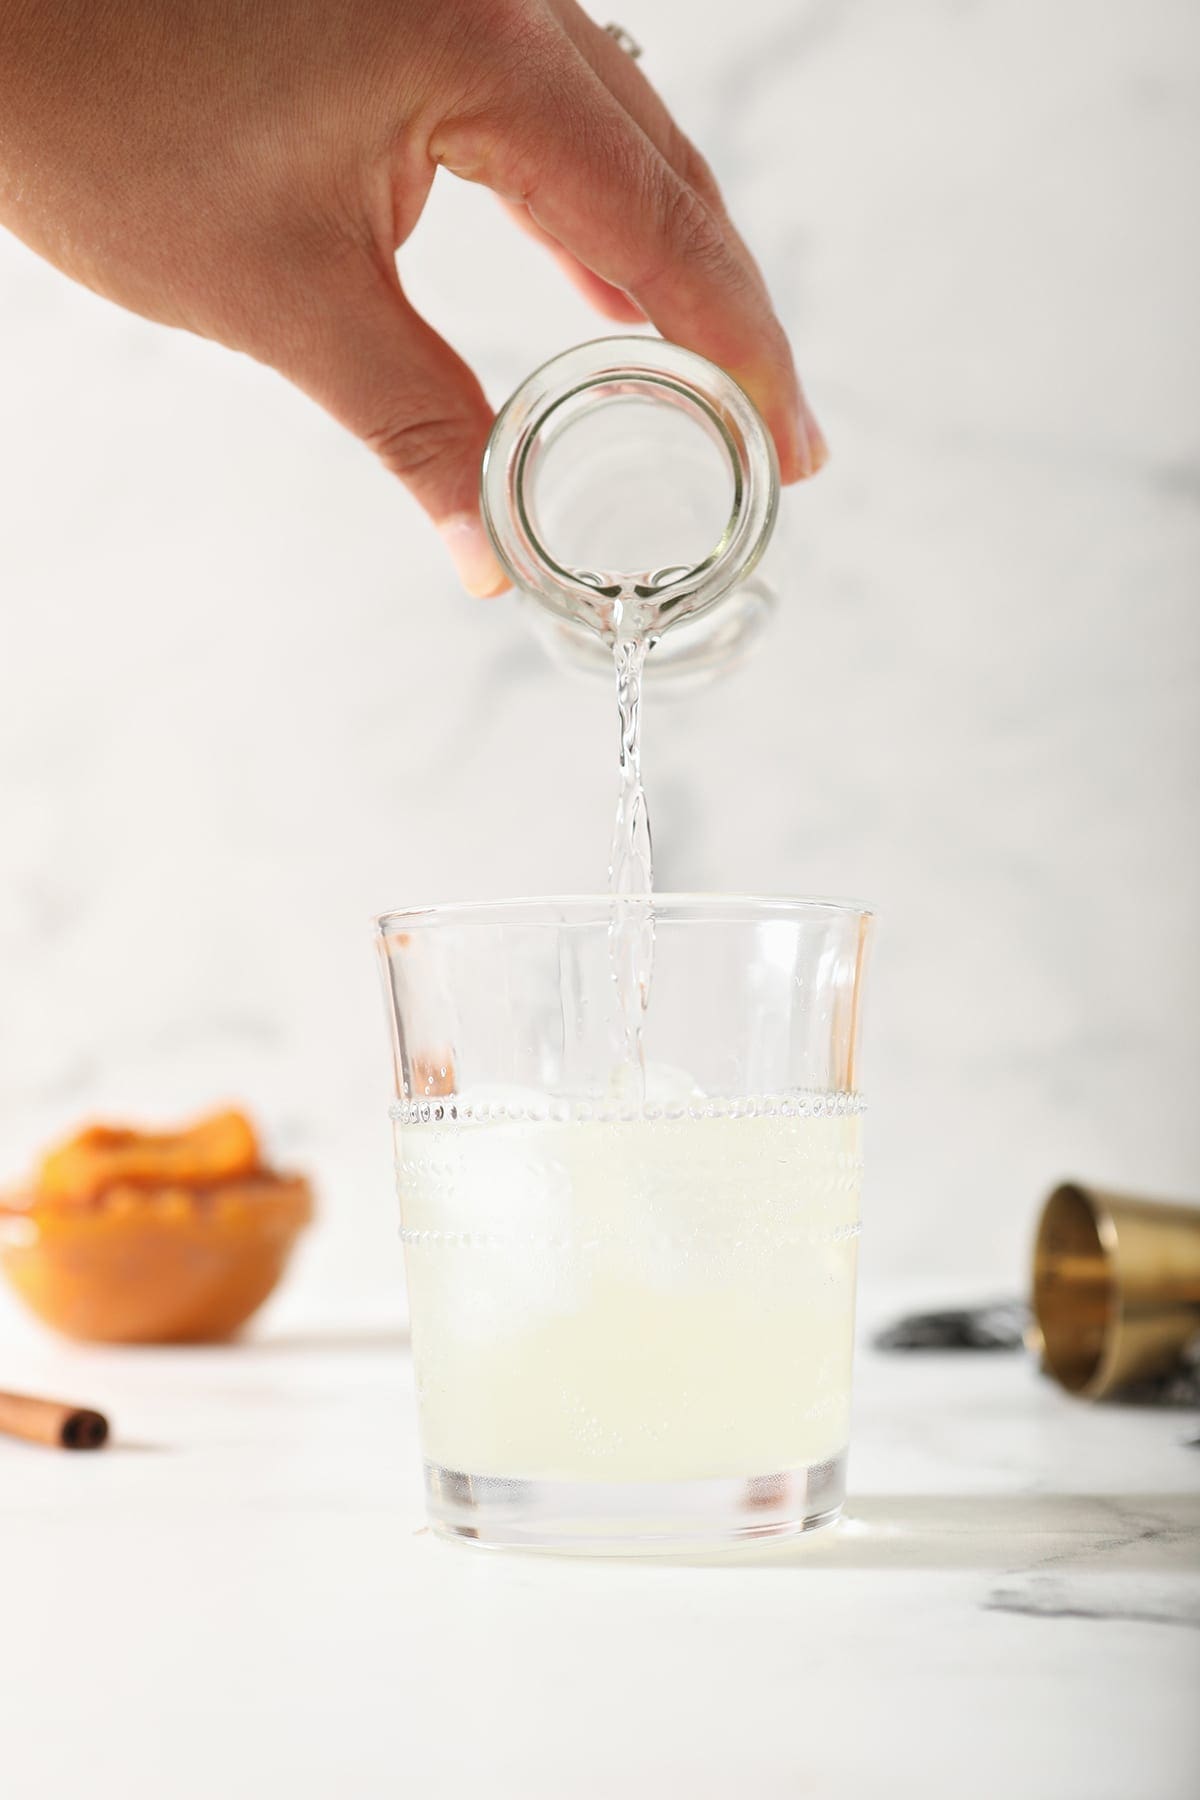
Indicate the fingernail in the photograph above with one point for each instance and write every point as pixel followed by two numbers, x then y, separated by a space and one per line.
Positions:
pixel 801 462
pixel 818 448
pixel 472 554
pixel 791 443
pixel 782 414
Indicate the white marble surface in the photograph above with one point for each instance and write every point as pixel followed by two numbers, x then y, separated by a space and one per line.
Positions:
pixel 242 708
pixel 238 1598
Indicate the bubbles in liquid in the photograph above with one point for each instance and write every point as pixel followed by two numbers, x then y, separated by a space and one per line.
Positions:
pixel 634 1299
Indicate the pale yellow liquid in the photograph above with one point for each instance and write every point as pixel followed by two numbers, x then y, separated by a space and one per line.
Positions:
pixel 647 1300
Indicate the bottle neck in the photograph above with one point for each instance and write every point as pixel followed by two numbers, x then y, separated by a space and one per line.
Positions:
pixel 629 487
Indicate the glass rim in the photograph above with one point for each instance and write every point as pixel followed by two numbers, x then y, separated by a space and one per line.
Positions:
pixel 595 909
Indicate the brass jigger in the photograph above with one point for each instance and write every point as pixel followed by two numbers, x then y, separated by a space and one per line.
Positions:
pixel 1116 1287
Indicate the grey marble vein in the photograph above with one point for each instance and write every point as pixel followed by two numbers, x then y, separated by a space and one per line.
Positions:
pixel 1047 1598
pixel 1147 1570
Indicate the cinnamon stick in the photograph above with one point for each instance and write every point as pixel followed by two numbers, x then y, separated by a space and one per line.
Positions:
pixel 52 1422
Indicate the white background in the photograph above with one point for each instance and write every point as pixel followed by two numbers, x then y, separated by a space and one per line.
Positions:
pixel 243 708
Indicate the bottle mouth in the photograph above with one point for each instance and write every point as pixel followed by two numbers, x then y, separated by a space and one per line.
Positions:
pixel 630 486
pixel 640 483
pixel 685 658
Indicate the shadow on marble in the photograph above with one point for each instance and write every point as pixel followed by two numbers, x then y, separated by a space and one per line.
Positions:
pixel 394 1337
pixel 1140 1532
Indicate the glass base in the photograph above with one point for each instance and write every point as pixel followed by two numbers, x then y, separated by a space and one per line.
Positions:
pixel 615 1518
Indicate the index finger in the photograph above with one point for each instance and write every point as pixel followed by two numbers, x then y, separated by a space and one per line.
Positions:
pixel 592 178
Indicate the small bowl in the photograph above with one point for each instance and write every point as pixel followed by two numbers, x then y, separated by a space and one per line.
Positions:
pixel 154 1265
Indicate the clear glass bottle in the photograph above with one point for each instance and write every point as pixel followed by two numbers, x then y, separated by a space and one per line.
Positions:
pixel 630 482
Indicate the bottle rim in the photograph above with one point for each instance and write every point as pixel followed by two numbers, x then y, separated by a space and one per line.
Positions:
pixel 598 373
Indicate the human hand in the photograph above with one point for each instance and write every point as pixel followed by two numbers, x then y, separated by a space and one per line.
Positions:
pixel 247 169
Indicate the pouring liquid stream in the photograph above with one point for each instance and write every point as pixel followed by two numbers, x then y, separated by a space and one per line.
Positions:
pixel 631 863
pixel 632 623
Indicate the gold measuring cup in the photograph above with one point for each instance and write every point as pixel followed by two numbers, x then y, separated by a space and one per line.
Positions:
pixel 1116 1287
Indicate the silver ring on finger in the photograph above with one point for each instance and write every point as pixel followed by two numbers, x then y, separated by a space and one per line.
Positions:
pixel 624 40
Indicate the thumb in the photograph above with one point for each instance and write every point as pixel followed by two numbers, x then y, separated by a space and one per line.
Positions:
pixel 369 359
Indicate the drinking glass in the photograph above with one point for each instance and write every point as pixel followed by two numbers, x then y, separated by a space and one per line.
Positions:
pixel 632 1320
